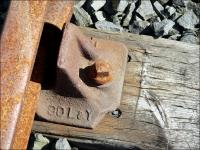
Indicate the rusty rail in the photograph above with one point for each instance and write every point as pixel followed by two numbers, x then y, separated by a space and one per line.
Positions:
pixel 19 44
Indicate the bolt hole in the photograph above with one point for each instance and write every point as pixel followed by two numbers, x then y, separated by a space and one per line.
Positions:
pixel 129 58
pixel 116 113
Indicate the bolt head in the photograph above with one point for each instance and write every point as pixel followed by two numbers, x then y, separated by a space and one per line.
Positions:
pixel 100 72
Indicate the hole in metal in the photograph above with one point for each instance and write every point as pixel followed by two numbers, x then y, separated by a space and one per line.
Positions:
pixel 117 113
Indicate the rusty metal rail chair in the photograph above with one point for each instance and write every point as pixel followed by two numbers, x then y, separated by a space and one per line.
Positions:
pixel 82 83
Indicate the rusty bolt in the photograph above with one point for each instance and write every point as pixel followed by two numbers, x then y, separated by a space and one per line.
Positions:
pixel 100 72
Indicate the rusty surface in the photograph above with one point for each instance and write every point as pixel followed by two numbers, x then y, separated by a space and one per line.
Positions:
pixel 25 121
pixel 76 99
pixel 59 12
pixel 19 43
pixel 99 72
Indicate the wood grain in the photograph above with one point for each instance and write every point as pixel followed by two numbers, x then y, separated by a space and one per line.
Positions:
pixel 160 101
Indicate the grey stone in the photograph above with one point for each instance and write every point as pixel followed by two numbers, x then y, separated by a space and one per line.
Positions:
pixel 108 26
pixel 159 9
pixel 82 17
pixel 173 31
pixel 79 3
pixel 170 10
pixel 146 10
pixel 175 37
pixel 175 16
pixel 97 4
pixel 62 144
pixel 117 18
pixel 178 2
pixel 129 15
pixel 99 15
pixel 158 6
pixel 188 20
pixel 40 141
pixel 154 19
pixel 180 9
pixel 195 7
pixel 163 27
pixel 163 1
pixel 186 2
pixel 138 26
pixel 190 39
pixel 137 18
pixel 122 5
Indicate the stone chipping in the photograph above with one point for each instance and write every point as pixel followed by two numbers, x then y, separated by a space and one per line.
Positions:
pixel 170 19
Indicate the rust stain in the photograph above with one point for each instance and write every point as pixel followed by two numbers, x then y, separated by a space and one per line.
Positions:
pixel 19 43
pixel 26 118
pixel 100 72
pixel 59 12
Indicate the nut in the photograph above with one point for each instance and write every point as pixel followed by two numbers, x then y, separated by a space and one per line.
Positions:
pixel 100 72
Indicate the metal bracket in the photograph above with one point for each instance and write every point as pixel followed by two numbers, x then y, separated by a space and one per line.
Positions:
pixel 90 76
